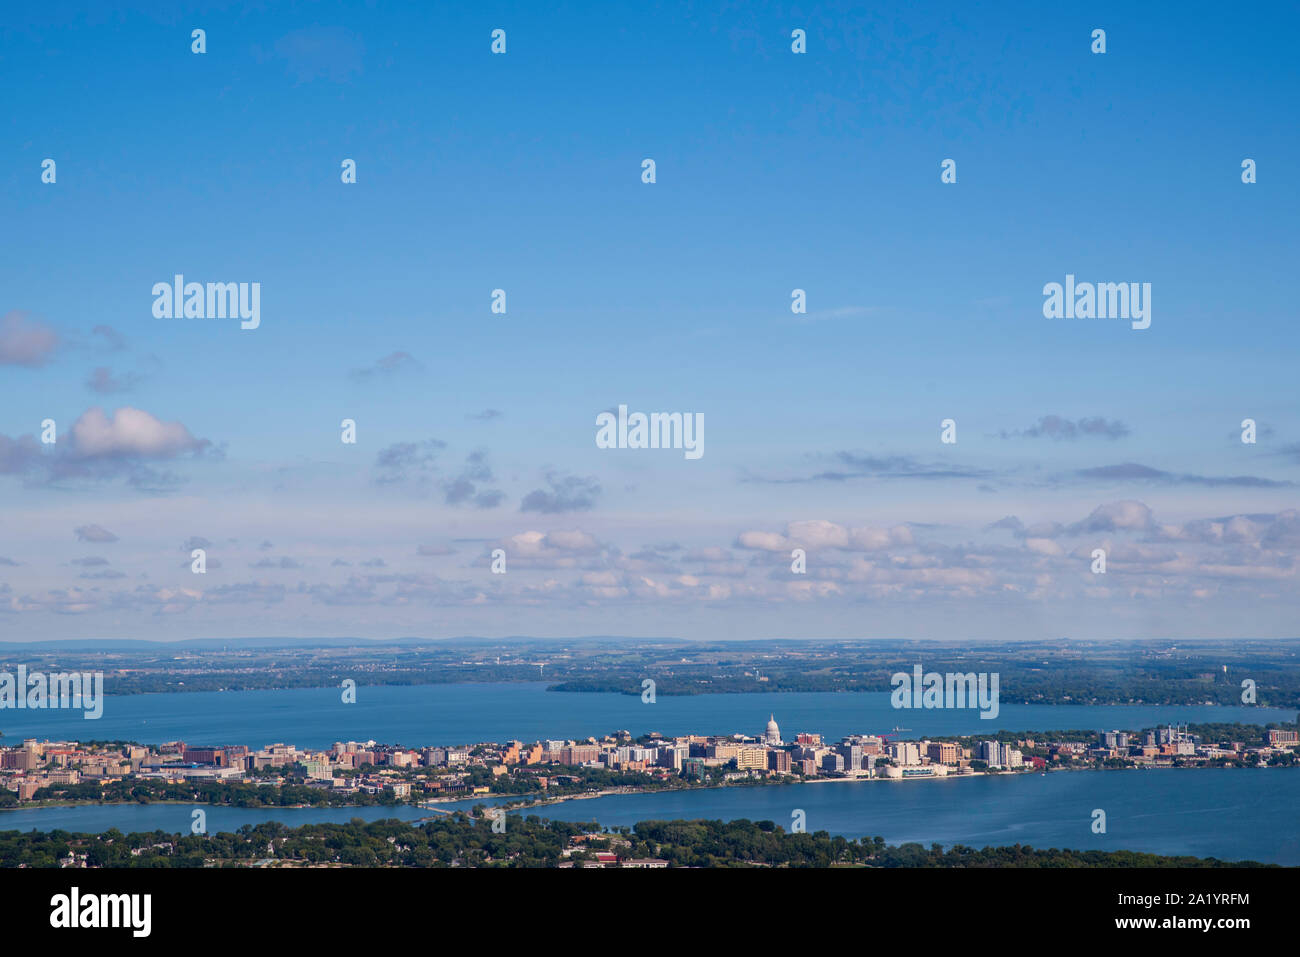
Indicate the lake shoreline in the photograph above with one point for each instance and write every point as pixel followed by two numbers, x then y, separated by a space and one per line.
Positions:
pixel 513 803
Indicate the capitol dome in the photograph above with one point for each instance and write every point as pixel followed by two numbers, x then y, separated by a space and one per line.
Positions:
pixel 773 733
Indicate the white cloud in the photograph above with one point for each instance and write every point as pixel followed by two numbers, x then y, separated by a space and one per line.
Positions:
pixel 130 432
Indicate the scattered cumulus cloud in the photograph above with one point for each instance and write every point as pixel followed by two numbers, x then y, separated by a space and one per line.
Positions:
pixel 130 432
pixel 564 493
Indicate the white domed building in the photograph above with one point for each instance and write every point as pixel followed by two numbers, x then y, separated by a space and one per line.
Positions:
pixel 772 736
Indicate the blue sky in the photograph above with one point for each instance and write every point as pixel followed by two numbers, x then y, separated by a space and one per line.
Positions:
pixel 775 171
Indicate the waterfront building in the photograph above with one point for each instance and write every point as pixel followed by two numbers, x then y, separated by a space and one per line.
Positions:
pixel 852 754
pixel 905 752
pixel 832 762
pixel 942 752
pixel 927 771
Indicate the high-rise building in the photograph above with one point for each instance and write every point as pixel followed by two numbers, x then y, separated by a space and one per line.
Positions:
pixel 578 754
pixel 779 761
pixel 942 752
pixel 852 754
pixel 672 757
pixel 905 753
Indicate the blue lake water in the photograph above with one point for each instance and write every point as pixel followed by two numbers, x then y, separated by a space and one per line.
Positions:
pixel 1232 814
pixel 416 715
